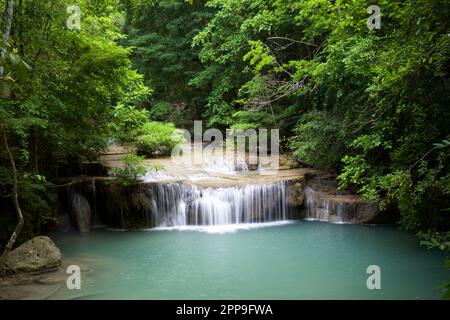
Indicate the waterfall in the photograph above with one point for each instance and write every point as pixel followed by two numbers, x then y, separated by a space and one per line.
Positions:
pixel 331 208
pixel 181 205
pixel 227 165
pixel 81 212
pixel 169 205
pixel 156 175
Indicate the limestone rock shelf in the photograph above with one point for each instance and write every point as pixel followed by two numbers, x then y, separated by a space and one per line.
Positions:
pixel 192 195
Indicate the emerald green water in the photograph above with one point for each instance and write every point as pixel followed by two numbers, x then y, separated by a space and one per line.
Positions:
pixel 300 260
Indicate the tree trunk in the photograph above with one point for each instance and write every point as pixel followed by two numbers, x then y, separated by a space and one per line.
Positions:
pixel 7 20
pixel 15 197
pixel 6 28
pixel 20 28
pixel 6 33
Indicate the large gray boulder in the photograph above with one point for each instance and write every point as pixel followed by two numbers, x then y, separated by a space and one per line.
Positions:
pixel 36 255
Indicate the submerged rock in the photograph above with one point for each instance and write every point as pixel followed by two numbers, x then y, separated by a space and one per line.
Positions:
pixel 36 255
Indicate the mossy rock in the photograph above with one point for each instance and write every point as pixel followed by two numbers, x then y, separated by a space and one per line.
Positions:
pixel 36 255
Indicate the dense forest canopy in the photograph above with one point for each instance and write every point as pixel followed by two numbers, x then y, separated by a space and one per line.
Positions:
pixel 371 104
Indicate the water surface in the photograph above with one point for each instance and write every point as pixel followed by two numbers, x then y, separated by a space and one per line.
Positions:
pixel 297 260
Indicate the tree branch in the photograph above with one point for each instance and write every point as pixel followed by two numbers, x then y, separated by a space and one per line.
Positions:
pixel 423 157
pixel 293 41
pixel 15 197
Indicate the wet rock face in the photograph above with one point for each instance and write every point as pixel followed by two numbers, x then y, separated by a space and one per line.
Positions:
pixel 296 193
pixel 36 255
pixel 221 199
pixel 325 203
pixel 126 207
pixel 288 162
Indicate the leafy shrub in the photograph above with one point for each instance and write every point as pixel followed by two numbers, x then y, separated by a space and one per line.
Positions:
pixel 446 286
pixel 251 119
pixel 161 110
pixel 158 138
pixel 133 167
pixel 430 239
pixel 318 139
pixel 157 166
pixel 439 240
pixel 421 192
pixel 127 122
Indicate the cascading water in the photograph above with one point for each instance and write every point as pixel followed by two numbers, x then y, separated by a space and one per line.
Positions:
pixel 227 165
pixel 81 211
pixel 169 205
pixel 177 205
pixel 322 206
pixel 155 175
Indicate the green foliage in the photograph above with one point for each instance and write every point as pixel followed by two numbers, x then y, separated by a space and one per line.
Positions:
pixel 156 166
pixel 157 138
pixel 15 70
pixel 250 120
pixel 160 33
pixel 353 86
pixel 340 93
pixel 162 110
pixel 312 141
pixel 420 191
pixel 431 240
pixel 133 167
pixel 446 286
pixel 371 104
pixel 441 241
pixel 38 201
pixel 60 90
pixel 136 92
pixel 223 44
pixel 127 122
pixel 64 114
